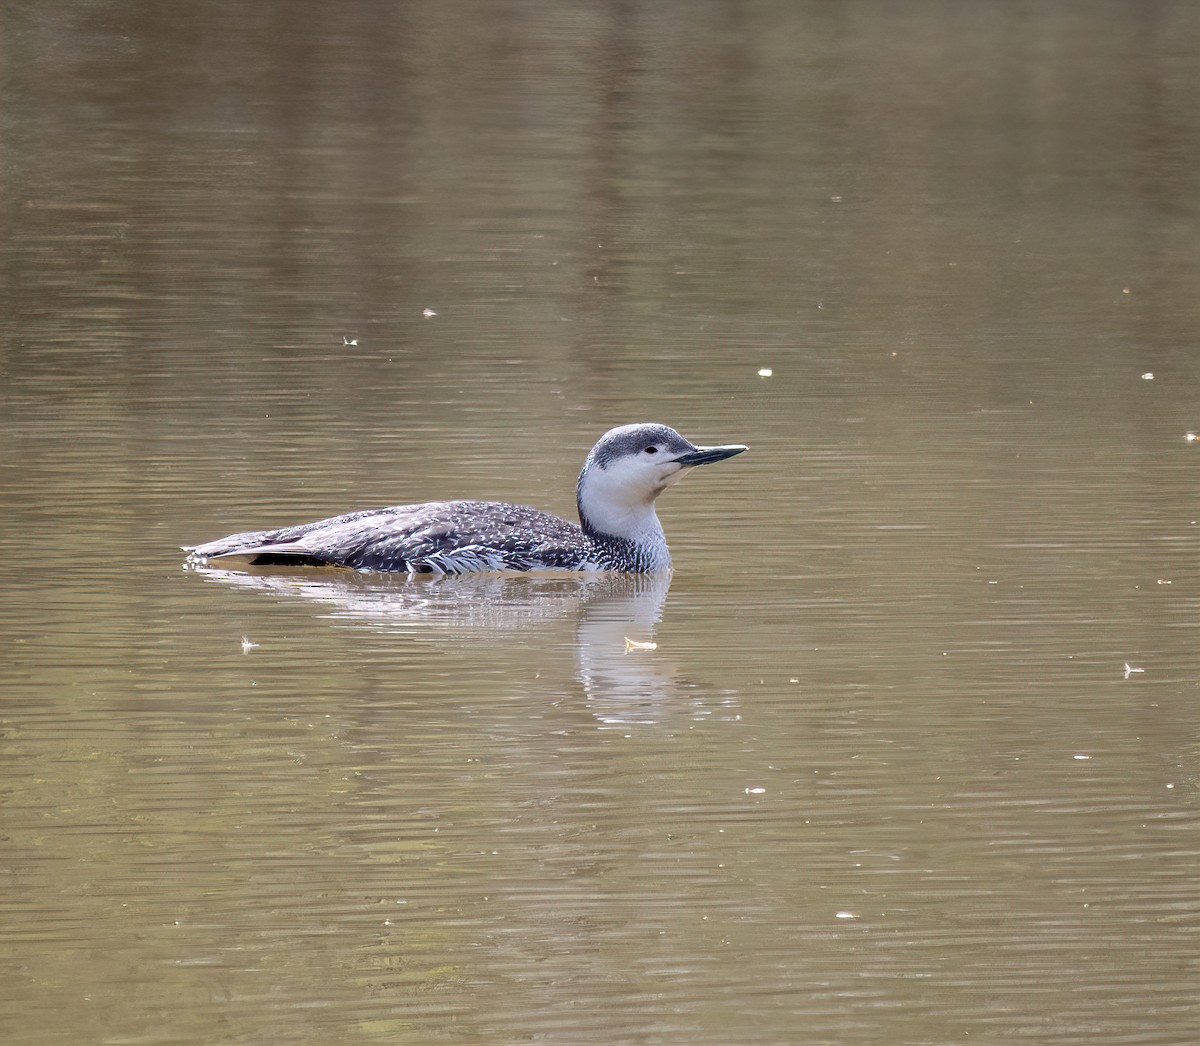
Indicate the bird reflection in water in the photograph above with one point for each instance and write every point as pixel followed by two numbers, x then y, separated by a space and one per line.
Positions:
pixel 623 683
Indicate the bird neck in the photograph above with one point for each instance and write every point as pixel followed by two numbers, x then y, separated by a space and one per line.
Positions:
pixel 608 511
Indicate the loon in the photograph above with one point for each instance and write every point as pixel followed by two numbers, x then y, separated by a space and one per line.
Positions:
pixel 624 472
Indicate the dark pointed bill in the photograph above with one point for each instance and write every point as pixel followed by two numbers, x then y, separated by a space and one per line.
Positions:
pixel 707 455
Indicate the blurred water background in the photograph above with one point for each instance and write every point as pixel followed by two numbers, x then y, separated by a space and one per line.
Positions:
pixel 915 759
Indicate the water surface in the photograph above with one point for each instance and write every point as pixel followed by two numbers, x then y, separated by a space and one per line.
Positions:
pixel 915 757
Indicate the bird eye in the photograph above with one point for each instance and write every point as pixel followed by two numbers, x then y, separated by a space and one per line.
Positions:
pixel 651 450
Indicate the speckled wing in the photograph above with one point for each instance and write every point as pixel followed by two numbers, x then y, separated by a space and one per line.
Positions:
pixel 451 537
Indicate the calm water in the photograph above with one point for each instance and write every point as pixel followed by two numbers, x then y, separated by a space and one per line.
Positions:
pixel 886 777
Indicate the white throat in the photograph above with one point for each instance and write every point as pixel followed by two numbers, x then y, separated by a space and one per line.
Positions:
pixel 610 504
pixel 636 523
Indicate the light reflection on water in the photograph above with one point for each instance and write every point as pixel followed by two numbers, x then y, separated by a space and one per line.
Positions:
pixel 889 678
pixel 620 683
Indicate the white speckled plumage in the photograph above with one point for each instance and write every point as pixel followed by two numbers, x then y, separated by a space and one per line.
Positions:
pixel 618 529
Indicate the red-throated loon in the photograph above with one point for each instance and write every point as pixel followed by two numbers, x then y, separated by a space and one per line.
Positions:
pixel 626 470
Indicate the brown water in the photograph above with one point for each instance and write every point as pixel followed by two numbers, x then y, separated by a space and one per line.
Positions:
pixel 885 778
